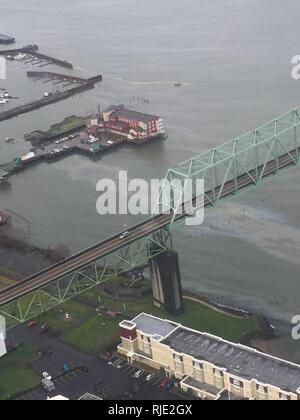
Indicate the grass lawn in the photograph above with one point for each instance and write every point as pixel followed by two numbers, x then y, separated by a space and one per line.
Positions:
pixel 95 335
pixel 197 316
pixel 15 380
pixel 101 332
pixel 78 312
pixel 15 374
pixel 67 124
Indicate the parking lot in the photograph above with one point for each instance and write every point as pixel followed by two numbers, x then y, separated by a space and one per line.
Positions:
pixel 122 381
pixel 140 374
pixel 110 379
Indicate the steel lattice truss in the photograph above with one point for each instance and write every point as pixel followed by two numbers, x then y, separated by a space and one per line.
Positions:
pixel 247 155
pixel 131 256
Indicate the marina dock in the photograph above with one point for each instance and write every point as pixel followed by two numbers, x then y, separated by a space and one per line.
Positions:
pixel 31 51
pixel 86 84
pixel 63 77
pixel 78 142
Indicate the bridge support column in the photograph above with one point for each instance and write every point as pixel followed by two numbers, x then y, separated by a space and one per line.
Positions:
pixel 166 282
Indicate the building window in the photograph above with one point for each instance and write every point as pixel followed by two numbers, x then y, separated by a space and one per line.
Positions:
pixel 178 360
pixel 198 365
pixel 284 397
pixel 262 389
pixel 218 373
pixel 198 371
pixel 178 357
pixel 236 383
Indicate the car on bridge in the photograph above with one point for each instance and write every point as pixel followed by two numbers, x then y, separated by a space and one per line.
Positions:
pixel 125 234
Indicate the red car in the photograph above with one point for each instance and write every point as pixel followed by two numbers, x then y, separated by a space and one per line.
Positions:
pixel 31 324
pixel 164 383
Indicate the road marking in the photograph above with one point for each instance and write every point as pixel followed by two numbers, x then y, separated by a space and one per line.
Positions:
pixel 122 365
pixel 156 382
pixel 127 369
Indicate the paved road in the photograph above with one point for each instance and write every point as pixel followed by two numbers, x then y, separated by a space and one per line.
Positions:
pixel 146 228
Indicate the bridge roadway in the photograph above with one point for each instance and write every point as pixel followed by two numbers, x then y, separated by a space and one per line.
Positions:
pixel 146 228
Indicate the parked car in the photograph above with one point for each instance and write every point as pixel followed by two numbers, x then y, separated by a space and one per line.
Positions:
pixel 149 377
pixel 66 368
pixel 164 383
pixel 47 376
pixel 138 374
pixel 31 324
pixel 170 384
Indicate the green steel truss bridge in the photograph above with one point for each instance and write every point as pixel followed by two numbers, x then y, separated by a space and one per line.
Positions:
pixel 227 170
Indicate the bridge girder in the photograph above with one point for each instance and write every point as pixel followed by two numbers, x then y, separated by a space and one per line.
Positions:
pixel 131 256
pixel 248 154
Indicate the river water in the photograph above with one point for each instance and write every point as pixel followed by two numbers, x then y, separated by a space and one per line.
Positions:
pixel 233 60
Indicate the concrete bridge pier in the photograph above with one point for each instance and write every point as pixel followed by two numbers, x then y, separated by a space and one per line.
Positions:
pixel 166 282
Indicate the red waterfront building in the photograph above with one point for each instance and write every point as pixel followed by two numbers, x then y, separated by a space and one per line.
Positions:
pixel 132 124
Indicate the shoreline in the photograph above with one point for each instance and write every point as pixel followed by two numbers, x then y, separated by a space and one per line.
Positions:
pixel 263 338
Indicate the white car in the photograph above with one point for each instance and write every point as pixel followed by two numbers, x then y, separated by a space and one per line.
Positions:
pixel 47 376
pixel 149 377
pixel 124 235
pixel 138 374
